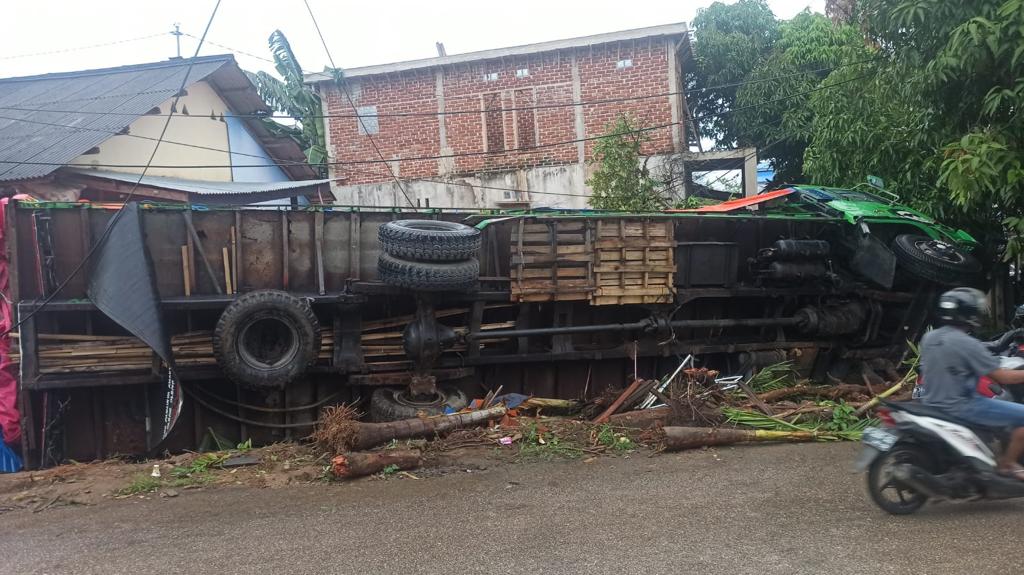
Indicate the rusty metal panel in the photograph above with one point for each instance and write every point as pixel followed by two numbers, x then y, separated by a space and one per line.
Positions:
pixel 67 245
pixel 260 238
pixel 337 258
pixel 301 252
pixel 369 248
pixel 165 234
pixel 28 264
pixel 214 230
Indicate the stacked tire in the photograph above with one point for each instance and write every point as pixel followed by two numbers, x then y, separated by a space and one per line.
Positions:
pixel 429 255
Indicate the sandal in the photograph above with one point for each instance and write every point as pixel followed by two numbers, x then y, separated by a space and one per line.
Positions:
pixel 1016 472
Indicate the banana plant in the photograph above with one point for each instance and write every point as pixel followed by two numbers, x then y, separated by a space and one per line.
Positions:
pixel 289 95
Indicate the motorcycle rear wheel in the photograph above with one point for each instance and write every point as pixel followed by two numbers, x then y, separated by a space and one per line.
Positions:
pixel 891 495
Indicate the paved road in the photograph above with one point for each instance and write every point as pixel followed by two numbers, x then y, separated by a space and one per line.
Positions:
pixel 764 510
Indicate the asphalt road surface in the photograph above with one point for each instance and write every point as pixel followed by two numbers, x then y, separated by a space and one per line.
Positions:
pixel 787 509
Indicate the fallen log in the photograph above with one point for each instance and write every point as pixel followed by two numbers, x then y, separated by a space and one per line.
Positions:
pixel 680 438
pixel 349 465
pixel 339 432
pixel 830 391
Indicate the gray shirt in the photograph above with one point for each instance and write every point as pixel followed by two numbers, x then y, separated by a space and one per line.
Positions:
pixel 951 363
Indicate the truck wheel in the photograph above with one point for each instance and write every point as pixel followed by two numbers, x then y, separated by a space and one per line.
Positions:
pixel 428 276
pixel 935 260
pixel 396 404
pixel 266 338
pixel 429 240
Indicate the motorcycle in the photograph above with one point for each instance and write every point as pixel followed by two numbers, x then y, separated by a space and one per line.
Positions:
pixel 919 453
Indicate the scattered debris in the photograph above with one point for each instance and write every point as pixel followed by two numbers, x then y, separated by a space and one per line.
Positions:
pixel 339 431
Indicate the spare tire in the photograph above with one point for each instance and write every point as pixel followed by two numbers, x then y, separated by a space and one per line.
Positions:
pixel 266 338
pixel 388 404
pixel 935 260
pixel 429 240
pixel 428 276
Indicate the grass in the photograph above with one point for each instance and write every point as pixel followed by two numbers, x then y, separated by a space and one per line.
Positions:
pixel 776 376
pixel 613 440
pixel 541 444
pixel 827 432
pixel 141 484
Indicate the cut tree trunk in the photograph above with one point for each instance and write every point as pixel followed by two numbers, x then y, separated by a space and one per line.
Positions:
pixel 349 465
pixel 679 438
pixel 373 434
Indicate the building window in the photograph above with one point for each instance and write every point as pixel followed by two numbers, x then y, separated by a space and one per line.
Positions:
pixel 491 77
pixel 367 122
pixel 523 73
pixel 623 64
pixel 494 124
pixel 526 123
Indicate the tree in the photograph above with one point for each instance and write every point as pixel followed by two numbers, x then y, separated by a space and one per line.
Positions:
pixel 940 118
pixel 289 95
pixel 729 41
pixel 621 181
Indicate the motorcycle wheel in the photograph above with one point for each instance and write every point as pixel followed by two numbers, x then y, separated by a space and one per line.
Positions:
pixel 891 495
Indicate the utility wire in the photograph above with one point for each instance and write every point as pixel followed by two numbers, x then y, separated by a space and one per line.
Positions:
pixel 79 48
pixel 352 103
pixel 506 151
pixel 113 219
pixel 552 105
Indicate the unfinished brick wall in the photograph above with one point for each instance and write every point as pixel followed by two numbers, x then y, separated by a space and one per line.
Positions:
pixel 478 132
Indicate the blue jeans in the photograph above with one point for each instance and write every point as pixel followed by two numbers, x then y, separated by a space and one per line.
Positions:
pixel 989 412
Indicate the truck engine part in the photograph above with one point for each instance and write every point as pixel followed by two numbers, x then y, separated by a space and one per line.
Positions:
pixel 785 271
pixel 266 338
pixel 389 404
pixel 836 319
pixel 789 250
pixel 429 240
pixel 458 276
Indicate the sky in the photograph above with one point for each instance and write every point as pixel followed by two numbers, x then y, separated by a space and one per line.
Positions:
pixel 43 36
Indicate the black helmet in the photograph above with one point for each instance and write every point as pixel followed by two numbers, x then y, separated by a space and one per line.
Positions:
pixel 963 306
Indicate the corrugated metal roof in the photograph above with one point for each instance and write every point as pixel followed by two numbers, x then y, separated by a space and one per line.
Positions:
pixel 201 187
pixel 678 29
pixel 131 91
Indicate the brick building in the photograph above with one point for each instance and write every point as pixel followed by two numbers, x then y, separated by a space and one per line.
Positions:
pixel 504 127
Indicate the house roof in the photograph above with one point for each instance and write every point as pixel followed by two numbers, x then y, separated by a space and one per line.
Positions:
pixel 665 30
pixel 212 192
pixel 107 100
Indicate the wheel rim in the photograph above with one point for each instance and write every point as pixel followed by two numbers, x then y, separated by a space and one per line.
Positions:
pixel 267 343
pixel 940 250
pixel 891 490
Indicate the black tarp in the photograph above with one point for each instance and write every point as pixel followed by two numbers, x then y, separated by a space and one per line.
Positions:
pixel 123 286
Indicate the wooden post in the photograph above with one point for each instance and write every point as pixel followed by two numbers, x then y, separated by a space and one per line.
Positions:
pixel 185 270
pixel 227 271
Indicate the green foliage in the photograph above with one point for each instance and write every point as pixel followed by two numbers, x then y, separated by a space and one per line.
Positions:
pixel 775 376
pixel 141 484
pixel 761 421
pixel 844 419
pixel 614 440
pixel 940 119
pixel 201 464
pixel 389 470
pixel 730 40
pixel 621 180
pixel 289 95
pixel 542 444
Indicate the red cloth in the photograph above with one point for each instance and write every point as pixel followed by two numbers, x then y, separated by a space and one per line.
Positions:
pixel 733 205
pixel 10 420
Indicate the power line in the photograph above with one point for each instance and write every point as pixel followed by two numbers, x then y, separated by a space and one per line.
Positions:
pixel 131 193
pixel 553 105
pixel 507 151
pixel 78 48
pixel 352 103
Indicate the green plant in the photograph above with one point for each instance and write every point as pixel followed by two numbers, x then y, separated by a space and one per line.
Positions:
pixel 613 440
pixel 201 464
pixel 389 470
pixel 245 445
pixel 622 180
pixel 774 376
pixel 537 443
pixel 141 484
pixel 761 421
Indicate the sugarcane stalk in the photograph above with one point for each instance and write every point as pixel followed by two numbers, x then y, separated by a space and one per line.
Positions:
pixel 878 399
pixel 680 438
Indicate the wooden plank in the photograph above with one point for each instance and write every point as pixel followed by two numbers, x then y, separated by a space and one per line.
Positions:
pixel 618 291
pixel 635 243
pixel 558 249
pixel 559 225
pixel 544 237
pixel 551 258
pixel 318 241
pixel 185 271
pixel 563 272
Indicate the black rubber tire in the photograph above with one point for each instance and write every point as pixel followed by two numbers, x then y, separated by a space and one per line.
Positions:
pixel 266 339
pixel 960 269
pixel 429 240
pixel 905 453
pixel 388 404
pixel 428 276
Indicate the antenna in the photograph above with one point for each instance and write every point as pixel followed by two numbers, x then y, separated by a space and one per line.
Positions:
pixel 177 33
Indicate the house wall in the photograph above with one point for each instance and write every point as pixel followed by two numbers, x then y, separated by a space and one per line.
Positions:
pixel 520 146
pixel 196 130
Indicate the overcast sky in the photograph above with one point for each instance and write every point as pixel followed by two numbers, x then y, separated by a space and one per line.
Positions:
pixel 357 33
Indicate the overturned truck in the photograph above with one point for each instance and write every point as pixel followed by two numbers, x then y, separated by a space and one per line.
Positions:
pixel 187 323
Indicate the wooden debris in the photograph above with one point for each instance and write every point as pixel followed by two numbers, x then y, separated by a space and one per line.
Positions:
pixel 679 438
pixel 340 432
pixel 350 465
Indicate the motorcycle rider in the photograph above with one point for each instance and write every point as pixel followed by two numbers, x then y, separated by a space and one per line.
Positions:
pixel 952 361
